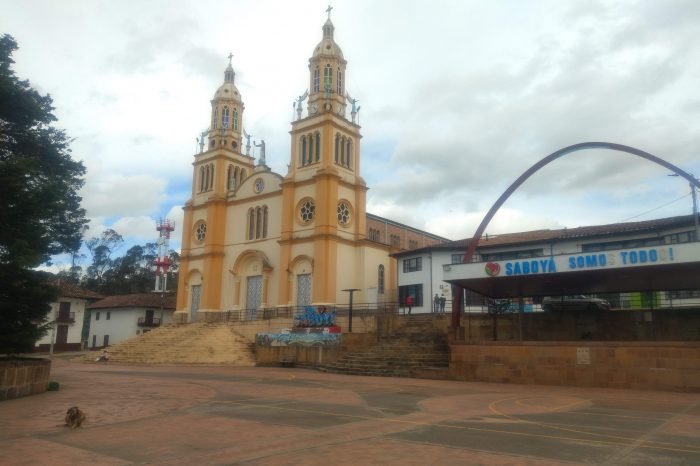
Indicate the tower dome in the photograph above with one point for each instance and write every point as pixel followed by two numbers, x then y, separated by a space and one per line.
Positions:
pixel 226 113
pixel 228 89
pixel 327 46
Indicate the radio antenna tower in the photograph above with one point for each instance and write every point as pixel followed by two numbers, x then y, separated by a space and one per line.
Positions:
pixel 164 228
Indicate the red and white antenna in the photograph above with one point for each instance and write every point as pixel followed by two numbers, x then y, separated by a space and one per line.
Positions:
pixel 164 228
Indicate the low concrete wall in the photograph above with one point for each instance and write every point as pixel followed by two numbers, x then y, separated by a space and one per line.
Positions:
pixel 639 365
pixel 23 377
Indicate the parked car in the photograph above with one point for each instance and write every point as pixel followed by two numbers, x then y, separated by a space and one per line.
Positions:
pixel 574 303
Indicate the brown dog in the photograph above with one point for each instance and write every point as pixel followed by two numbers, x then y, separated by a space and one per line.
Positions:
pixel 74 417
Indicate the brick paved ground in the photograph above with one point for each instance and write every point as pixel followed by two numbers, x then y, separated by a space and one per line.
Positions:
pixel 273 416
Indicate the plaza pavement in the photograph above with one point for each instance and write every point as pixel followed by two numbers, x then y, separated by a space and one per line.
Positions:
pixel 194 415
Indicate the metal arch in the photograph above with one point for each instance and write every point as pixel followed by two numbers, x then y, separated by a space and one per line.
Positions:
pixel 469 254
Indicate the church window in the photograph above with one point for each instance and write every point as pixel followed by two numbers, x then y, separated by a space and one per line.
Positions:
pixel 257 222
pixel 395 240
pixel 342 151
pixel 200 231
pixel 201 179
pixel 327 77
pixel 235 120
pixel 339 81
pixel 412 244
pixel 318 146
pixel 316 79
pixel 303 151
pixel 307 211
pixel 234 144
pixel 337 147
pixel 251 223
pixel 264 232
pixel 348 158
pixel 343 213
pixel 374 234
pixel 229 178
pixel 224 117
pixel 309 158
pixel 216 117
pixel 380 279
pixel 243 175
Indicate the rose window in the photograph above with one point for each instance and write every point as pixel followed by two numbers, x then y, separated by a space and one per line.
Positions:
pixel 343 213
pixel 307 211
pixel 201 231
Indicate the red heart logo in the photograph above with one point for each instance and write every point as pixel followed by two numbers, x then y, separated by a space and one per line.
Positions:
pixel 492 269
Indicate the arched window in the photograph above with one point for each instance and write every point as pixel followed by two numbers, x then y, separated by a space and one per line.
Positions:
pixel 327 77
pixel 229 177
pixel 235 120
pixel 216 117
pixel 342 151
pixel 337 148
pixel 211 175
pixel 243 175
pixel 339 81
pixel 201 179
pixel 317 76
pixel 224 117
pixel 318 146
pixel 258 222
pixel 303 151
pixel 206 177
pixel 309 157
pixel 251 223
pixel 264 232
pixel 380 280
pixel 348 158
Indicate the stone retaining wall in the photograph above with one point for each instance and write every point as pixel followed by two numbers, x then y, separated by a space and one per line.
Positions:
pixel 313 356
pixel 671 366
pixel 23 377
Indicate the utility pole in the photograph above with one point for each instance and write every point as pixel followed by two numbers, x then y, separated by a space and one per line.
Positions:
pixel 695 205
pixel 351 291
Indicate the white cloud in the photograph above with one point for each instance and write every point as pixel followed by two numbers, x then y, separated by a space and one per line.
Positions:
pixel 121 195
pixel 457 101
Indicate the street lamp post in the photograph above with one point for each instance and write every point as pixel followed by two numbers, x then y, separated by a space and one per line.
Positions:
pixel 351 291
pixel 695 206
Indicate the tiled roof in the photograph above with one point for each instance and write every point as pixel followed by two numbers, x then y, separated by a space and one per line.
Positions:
pixel 69 290
pixel 535 236
pixel 150 300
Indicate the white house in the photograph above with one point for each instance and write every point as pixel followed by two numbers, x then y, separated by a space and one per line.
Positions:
pixel 67 318
pixel 118 318
pixel 421 271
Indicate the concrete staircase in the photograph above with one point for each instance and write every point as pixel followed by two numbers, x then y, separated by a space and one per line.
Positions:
pixel 198 343
pixel 417 350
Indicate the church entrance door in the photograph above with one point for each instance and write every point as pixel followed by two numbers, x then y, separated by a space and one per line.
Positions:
pixel 196 291
pixel 253 296
pixel 304 289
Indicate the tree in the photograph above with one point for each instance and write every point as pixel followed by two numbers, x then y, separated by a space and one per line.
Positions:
pixel 101 248
pixel 40 213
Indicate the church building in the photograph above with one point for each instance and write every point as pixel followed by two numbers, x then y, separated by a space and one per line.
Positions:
pixel 256 239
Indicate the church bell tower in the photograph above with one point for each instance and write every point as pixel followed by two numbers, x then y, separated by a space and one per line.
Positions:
pixel 324 194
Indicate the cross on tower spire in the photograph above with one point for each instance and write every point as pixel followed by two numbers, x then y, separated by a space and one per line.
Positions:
pixel 328 10
pixel 230 56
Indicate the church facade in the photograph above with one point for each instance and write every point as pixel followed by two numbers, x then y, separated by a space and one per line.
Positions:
pixel 255 239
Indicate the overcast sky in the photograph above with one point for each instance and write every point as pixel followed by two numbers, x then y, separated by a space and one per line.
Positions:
pixel 457 99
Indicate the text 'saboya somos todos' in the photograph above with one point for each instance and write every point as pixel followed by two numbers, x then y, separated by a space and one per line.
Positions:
pixel 608 259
